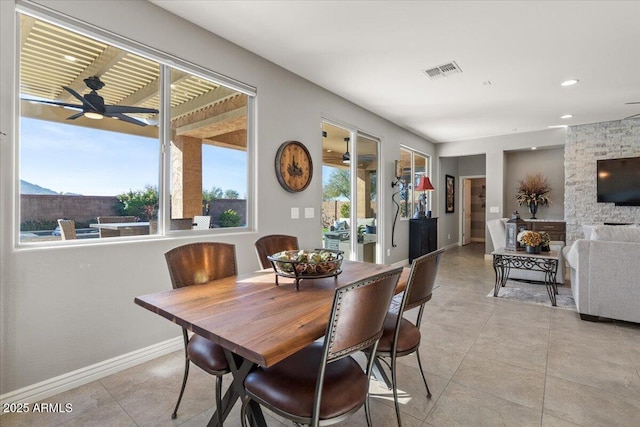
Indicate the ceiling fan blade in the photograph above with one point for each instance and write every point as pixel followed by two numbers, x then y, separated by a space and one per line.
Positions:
pixel 109 109
pixel 80 97
pixel 635 102
pixel 75 116
pixel 60 104
pixel 125 118
pixel 631 117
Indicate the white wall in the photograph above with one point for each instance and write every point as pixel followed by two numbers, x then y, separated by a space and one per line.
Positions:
pixel 65 308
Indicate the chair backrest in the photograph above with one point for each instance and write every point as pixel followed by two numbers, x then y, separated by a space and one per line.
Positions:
pixel 201 222
pixel 422 277
pixel 497 232
pixel 356 323
pixel 197 263
pixel 67 229
pixel 111 220
pixel 271 244
pixel 181 224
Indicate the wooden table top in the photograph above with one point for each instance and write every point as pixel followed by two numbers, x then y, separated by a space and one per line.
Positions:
pixel 120 225
pixel 253 317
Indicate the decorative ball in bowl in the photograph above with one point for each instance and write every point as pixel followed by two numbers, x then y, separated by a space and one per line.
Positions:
pixel 320 262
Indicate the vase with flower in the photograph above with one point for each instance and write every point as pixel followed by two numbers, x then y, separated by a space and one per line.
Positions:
pixel 532 240
pixel 533 191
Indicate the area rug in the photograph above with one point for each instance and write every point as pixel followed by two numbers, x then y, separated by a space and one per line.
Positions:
pixel 535 294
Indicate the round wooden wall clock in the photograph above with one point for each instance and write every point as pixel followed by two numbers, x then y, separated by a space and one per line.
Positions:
pixel 294 167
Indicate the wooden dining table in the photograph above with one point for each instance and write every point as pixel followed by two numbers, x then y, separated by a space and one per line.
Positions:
pixel 255 321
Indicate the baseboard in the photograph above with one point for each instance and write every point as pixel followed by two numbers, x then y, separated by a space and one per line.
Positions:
pixel 451 246
pixel 53 386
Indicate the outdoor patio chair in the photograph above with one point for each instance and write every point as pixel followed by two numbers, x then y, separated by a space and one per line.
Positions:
pixel 201 222
pixel 193 264
pixel 67 229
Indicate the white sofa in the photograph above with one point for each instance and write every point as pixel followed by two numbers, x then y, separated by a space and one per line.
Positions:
pixel 498 238
pixel 605 272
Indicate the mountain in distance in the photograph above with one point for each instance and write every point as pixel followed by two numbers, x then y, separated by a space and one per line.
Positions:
pixel 29 188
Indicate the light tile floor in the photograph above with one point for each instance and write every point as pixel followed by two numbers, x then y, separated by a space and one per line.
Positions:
pixel 489 362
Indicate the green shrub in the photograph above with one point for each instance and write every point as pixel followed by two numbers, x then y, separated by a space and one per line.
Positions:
pixel 230 218
pixel 139 203
pixel 345 210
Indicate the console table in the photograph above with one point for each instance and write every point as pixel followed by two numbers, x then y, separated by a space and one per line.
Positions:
pixel 423 237
pixel 557 230
pixel 547 262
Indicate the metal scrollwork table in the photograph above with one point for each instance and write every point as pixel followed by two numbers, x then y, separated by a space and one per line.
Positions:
pixel 547 262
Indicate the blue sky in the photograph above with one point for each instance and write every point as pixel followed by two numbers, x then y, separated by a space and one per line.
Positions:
pixel 75 159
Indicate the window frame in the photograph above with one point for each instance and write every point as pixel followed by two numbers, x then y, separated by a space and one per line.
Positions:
pixel 166 63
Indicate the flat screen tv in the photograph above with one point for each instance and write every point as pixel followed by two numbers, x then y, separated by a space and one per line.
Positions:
pixel 619 181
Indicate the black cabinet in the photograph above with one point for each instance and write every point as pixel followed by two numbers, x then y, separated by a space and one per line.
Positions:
pixel 423 237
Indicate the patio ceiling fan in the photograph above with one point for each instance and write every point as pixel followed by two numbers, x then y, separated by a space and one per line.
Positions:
pixel 93 106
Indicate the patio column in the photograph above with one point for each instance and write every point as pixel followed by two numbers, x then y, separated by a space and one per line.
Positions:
pixel 186 177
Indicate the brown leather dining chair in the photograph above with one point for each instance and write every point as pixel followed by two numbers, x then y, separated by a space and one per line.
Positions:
pixel 194 264
pixel 322 383
pixel 401 337
pixel 273 243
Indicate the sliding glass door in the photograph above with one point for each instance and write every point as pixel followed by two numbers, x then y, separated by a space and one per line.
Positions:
pixel 350 188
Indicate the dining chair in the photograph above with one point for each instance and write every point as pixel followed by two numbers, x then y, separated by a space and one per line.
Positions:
pixel 273 243
pixel 67 229
pixel 111 220
pixel 401 337
pixel 194 264
pixel 201 222
pixel 322 384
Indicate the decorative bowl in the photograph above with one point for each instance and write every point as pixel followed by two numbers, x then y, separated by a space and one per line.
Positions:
pixel 307 264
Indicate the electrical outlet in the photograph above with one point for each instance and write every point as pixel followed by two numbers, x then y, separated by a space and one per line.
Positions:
pixel 448 236
pixel 388 252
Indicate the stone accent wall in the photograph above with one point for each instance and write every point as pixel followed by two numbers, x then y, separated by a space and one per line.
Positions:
pixel 584 146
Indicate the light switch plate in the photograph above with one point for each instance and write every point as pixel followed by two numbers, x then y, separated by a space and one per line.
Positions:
pixel 295 213
pixel 494 209
pixel 309 212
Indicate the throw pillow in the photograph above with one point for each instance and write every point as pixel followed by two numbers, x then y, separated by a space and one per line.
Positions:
pixel 370 229
pixel 616 233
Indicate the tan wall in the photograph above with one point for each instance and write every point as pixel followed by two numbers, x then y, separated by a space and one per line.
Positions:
pixel 40 207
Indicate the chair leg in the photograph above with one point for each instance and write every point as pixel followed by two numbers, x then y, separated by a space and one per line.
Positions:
pixel 219 398
pixel 184 384
pixel 243 412
pixel 367 411
pixel 422 372
pixel 394 385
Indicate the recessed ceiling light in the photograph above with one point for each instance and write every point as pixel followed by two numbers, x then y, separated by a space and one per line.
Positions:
pixel 70 58
pixel 557 126
pixel 534 148
pixel 566 116
pixel 569 82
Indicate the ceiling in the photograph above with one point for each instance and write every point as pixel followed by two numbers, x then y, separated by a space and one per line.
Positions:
pixel 513 56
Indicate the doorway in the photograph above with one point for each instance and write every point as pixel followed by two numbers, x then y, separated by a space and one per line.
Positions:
pixel 473 218
pixel 349 192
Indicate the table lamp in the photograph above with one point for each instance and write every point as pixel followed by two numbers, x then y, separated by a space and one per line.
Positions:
pixel 424 185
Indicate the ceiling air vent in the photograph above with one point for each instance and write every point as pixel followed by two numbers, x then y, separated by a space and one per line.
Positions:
pixel 443 70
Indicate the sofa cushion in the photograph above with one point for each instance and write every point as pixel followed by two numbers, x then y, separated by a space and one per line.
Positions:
pixel 616 233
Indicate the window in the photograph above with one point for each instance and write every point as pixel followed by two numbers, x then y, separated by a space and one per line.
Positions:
pixel 414 166
pixel 92 132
